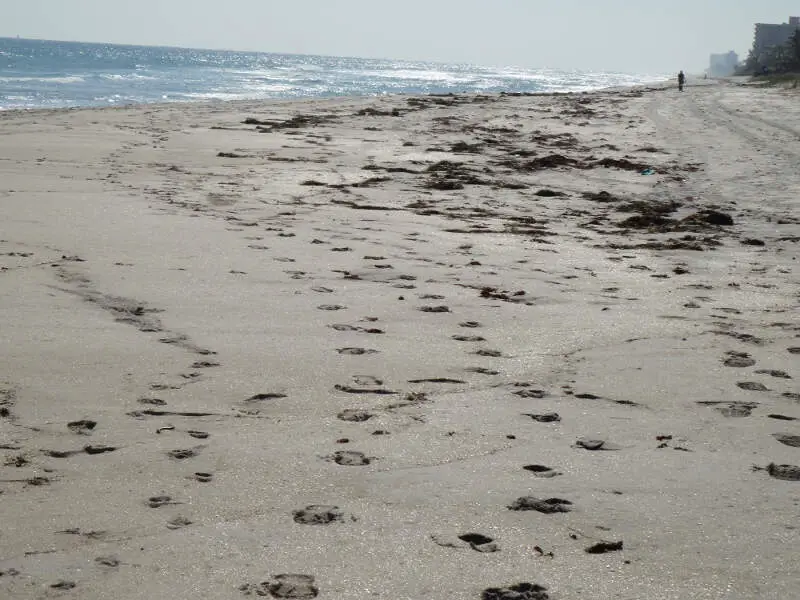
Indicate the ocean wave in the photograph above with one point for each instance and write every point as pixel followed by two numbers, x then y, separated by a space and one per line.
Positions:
pixel 211 96
pixel 127 77
pixel 61 74
pixel 417 75
pixel 43 79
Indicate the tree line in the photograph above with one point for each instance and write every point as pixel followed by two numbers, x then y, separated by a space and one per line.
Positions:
pixel 778 59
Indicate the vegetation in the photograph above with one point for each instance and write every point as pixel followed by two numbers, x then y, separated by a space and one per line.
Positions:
pixel 782 80
pixel 777 60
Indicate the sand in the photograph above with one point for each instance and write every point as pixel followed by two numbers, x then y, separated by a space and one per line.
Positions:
pixel 500 347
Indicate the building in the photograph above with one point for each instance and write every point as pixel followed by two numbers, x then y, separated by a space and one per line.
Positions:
pixel 769 35
pixel 723 65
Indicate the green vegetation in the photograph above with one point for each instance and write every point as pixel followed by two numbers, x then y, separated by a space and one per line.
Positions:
pixel 784 80
pixel 778 60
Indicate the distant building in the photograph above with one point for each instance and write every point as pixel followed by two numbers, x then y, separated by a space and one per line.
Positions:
pixel 769 35
pixel 723 65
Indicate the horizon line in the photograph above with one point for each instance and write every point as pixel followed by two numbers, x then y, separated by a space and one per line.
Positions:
pixel 427 61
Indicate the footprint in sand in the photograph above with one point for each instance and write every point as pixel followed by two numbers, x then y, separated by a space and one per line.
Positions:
pixel 140 414
pixel 202 351
pixel 544 417
pixel 542 471
pixel 752 386
pixel 331 307
pixel 356 351
pixel 98 449
pixel 474 541
pixel 519 591
pixel 781 417
pixel 204 364
pixel 160 387
pixel 91 535
pixel 468 338
pixel 367 380
pixel 783 472
pixel 82 427
pixel 108 561
pixel 178 523
pixel 183 453
pixel 318 515
pixel 286 585
pixel 266 396
pixel 363 390
pixel 604 547
pixel 531 393
pixel 63 585
pixel 152 401
pixel 594 397
pixel 738 360
pixel 774 373
pixel 595 445
pixel 343 327
pixel 489 353
pixel 479 542
pixel 546 506
pixel 21 461
pixel 482 371
pixel 203 477
pixel 354 415
pixel 434 309
pixel 788 439
pixel 732 409
pixel 470 324
pixel 159 501
pixel 350 458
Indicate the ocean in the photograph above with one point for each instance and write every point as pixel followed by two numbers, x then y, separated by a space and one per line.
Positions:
pixel 50 74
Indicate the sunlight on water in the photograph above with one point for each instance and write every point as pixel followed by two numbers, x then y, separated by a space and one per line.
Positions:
pixel 40 74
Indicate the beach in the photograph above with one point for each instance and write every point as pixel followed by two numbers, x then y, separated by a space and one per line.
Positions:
pixel 500 346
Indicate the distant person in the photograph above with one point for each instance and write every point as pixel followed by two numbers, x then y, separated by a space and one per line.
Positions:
pixel 681 80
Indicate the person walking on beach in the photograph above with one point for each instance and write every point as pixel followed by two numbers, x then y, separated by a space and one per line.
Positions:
pixel 681 80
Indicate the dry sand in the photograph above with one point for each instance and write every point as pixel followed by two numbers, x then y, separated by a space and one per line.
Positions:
pixel 313 363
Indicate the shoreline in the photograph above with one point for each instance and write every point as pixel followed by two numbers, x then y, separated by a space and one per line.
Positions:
pixel 403 347
pixel 300 100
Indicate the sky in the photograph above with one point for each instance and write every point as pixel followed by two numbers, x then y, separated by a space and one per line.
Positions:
pixel 635 36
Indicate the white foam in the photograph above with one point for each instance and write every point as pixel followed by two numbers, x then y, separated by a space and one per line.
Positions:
pixel 127 77
pixel 68 79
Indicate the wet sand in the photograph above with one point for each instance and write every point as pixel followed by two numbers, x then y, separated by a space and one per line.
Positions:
pixel 499 347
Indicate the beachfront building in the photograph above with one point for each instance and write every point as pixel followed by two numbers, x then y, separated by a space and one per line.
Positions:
pixel 723 65
pixel 769 35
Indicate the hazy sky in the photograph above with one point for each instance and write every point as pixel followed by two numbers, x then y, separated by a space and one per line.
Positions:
pixel 627 35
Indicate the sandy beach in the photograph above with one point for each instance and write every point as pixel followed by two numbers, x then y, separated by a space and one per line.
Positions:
pixel 502 347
